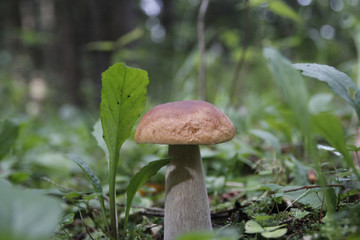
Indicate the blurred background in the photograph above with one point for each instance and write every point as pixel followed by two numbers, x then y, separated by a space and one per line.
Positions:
pixel 52 52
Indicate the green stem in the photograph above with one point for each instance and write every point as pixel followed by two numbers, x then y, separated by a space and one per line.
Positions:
pixel 66 233
pixel 112 197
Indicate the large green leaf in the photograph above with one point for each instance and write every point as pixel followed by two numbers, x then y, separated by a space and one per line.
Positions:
pixel 139 179
pixel 8 135
pixel 25 214
pixel 340 83
pixel 123 97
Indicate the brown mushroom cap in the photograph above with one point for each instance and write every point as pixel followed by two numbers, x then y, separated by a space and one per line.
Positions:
pixel 186 122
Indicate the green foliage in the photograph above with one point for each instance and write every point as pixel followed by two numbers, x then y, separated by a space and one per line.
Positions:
pixel 27 214
pixel 293 89
pixel 8 135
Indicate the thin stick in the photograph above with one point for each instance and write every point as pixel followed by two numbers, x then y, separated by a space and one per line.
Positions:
pixel 314 186
pixel 57 185
pixel 297 199
pixel 202 45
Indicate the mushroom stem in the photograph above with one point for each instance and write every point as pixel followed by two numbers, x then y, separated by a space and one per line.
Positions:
pixel 186 203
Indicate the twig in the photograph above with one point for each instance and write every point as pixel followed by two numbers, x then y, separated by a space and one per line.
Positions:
pixel 202 44
pixel 56 184
pixel 157 212
pixel 314 186
pixel 297 199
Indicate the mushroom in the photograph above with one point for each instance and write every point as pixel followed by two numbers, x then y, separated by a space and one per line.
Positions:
pixel 185 125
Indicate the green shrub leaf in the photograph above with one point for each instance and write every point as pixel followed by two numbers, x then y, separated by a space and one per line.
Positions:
pixel 340 83
pixel 139 179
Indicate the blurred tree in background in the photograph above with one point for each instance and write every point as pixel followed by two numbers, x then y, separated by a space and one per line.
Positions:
pixel 54 51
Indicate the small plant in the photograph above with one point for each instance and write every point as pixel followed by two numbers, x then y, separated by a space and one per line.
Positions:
pixel 123 97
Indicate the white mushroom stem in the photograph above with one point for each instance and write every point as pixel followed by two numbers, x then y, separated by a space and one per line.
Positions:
pixel 186 204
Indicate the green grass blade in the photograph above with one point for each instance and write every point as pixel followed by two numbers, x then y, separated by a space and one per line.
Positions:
pixel 94 180
pixel 139 179
pixel 294 91
pixel 340 83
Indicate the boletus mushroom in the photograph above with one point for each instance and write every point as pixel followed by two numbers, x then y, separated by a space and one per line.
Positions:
pixel 185 125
